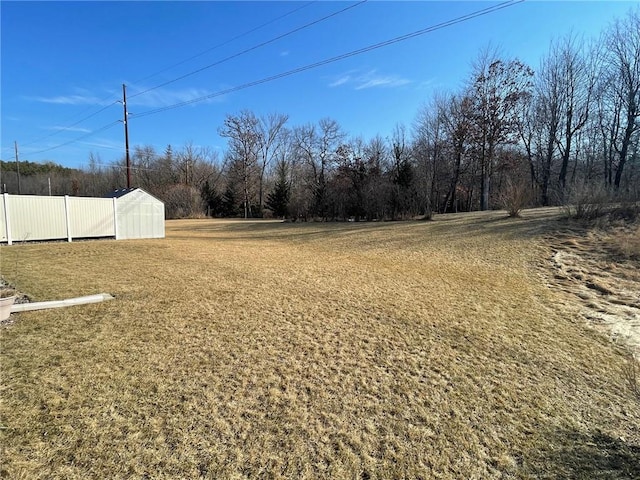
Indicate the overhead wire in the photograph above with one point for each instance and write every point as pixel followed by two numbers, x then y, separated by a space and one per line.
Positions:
pixel 133 166
pixel 93 132
pixel 68 127
pixel 448 23
pixel 250 49
pixel 227 41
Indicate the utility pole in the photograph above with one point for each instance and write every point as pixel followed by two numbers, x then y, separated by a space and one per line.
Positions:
pixel 17 166
pixel 126 134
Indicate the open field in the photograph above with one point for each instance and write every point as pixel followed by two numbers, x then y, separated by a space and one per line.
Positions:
pixel 269 350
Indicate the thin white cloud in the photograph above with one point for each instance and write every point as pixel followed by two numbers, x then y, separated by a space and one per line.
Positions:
pixel 370 79
pixel 373 79
pixel 284 53
pixel 388 81
pixel 70 100
pixel 105 143
pixel 163 97
pixel 68 129
pixel 78 96
pixel 159 97
pixel 340 81
pixel 429 83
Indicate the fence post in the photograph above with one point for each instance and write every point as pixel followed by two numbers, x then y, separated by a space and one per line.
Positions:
pixel 67 215
pixel 7 217
pixel 115 218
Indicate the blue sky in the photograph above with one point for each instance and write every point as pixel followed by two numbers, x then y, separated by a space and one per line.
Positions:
pixel 65 61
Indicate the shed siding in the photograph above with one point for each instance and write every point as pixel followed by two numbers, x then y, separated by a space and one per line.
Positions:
pixel 140 215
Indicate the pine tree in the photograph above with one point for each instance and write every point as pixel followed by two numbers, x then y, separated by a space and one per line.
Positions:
pixel 229 206
pixel 278 199
pixel 212 201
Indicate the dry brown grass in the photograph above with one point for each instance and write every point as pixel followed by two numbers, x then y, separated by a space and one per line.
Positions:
pixel 270 350
pixel 626 242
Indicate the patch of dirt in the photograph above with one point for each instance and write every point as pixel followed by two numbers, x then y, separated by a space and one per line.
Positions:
pixel 587 265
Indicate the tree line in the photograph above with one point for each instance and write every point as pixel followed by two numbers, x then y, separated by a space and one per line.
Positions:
pixel 510 137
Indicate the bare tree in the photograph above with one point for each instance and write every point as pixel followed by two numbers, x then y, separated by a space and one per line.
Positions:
pixel 497 88
pixel 351 179
pixel 329 138
pixel 577 78
pixel 377 188
pixel 97 183
pixel 241 130
pixel 622 43
pixel 546 118
pixel 402 173
pixel 427 146
pixel 306 168
pixel 609 122
pixel 142 166
pixel 269 131
pixel 456 114
pixel 196 165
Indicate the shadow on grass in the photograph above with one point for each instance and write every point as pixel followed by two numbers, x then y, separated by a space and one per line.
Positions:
pixel 532 223
pixel 579 455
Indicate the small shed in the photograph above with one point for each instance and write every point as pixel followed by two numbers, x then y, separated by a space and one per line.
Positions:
pixel 138 214
pixel 125 213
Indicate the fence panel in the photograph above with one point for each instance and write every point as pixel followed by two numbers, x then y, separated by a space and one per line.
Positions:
pixel 31 217
pixel 91 217
pixel 36 218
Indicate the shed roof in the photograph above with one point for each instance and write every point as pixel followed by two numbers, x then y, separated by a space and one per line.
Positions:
pixel 120 192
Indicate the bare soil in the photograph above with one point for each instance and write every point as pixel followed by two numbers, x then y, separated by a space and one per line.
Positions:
pixel 601 283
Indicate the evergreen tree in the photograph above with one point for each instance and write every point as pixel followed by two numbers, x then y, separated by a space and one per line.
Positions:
pixel 212 201
pixel 229 204
pixel 278 200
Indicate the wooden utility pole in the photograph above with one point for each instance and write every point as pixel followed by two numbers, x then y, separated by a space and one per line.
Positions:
pixel 126 134
pixel 17 166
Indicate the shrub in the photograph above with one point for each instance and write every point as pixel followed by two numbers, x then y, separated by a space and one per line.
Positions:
pixel 182 201
pixel 626 243
pixel 587 201
pixel 515 195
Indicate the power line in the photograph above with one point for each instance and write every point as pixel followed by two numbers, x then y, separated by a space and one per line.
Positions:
pixel 39 139
pixel 227 42
pixel 103 147
pixel 255 47
pixel 122 167
pixel 101 129
pixel 70 126
pixel 448 23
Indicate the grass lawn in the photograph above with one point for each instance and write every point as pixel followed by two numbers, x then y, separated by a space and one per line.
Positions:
pixel 349 350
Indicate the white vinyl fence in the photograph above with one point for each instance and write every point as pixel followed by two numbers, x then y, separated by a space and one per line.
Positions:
pixel 29 217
